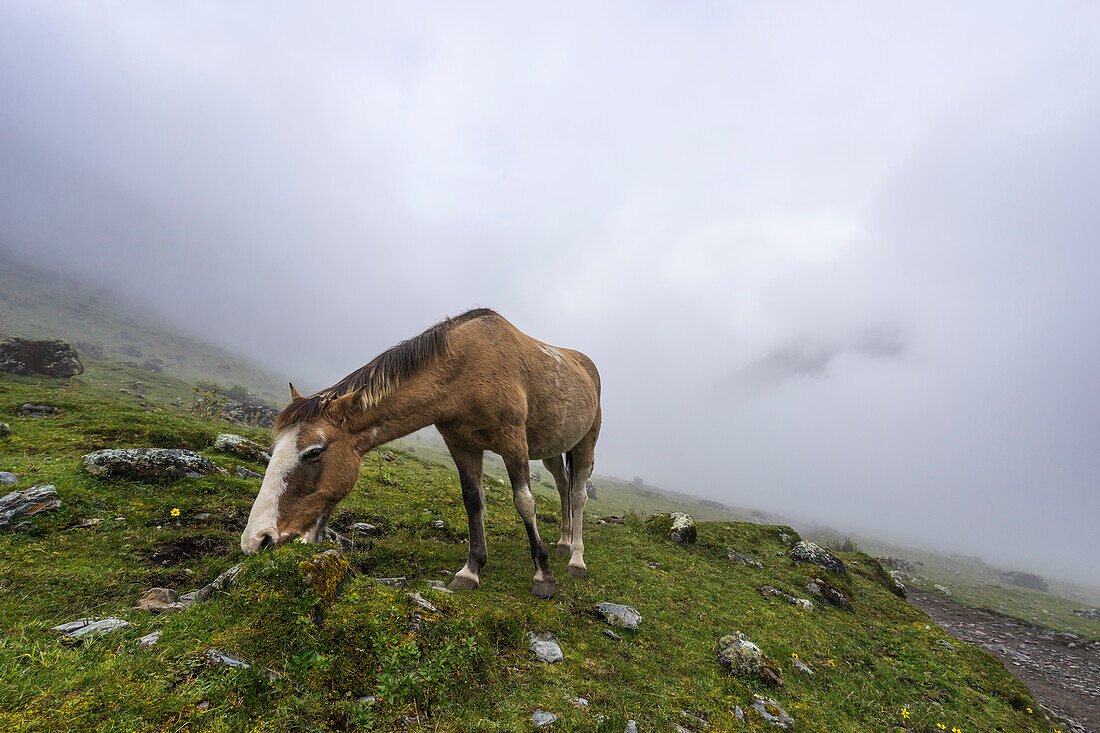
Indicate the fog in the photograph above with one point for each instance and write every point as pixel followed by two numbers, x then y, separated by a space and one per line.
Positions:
pixel 837 262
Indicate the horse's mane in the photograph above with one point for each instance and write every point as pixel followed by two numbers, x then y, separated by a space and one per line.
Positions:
pixel 384 372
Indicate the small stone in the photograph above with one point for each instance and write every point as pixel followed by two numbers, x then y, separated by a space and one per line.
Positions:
pixel 772 714
pixel 241 447
pixel 342 542
pixel 367 700
pixel 808 552
pixel 438 524
pixel 5 430
pixel 160 600
pixel 7 477
pixel 203 705
pixel 202 516
pixel 579 702
pixel 545 648
pixel 695 719
pixel 242 472
pixel 616 614
pixel 77 632
pixel 89 523
pixel 631 727
pixel 364 528
pixel 801 667
pixel 738 712
pixel 612 635
pixel 945 644
pixel 440 587
pixel 745 560
pixel 739 655
pixel 942 589
pixel 399 582
pixel 32 501
pixel 149 640
pixel 225 660
pixel 424 603
pixel 541 718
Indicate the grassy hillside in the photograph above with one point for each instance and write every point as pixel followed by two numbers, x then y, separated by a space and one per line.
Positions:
pixel 367 659
pixel 39 304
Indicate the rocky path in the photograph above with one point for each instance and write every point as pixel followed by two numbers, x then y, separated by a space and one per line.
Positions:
pixel 1062 672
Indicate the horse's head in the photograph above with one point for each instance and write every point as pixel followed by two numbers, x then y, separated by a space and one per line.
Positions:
pixel 314 464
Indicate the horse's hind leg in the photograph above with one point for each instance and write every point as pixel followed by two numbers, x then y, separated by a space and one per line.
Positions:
pixel 583 457
pixel 517 462
pixel 473 496
pixel 556 467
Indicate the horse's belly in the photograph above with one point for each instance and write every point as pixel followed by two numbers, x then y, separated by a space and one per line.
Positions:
pixel 548 438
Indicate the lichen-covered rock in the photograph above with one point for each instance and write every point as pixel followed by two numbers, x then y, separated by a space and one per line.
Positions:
pixel 942 589
pixel 50 357
pixel 160 600
pixel 802 603
pixel 827 592
pixel 22 504
pixel 808 552
pixel 740 656
pixel 325 572
pixel 77 632
pixel 742 558
pixel 616 614
pixel 365 528
pixel 771 713
pixel 34 409
pixel 7 477
pixel 241 447
pixel 150 464
pixel 252 411
pixel 5 430
pixel 677 526
pixel 545 648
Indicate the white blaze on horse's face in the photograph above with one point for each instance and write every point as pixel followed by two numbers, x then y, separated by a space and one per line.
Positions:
pixel 263 520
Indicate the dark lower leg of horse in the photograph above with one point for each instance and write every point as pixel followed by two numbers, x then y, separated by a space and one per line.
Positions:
pixel 473 497
pixel 519 472
pixel 556 467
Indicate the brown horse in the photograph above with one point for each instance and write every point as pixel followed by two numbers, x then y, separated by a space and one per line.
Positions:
pixel 485 385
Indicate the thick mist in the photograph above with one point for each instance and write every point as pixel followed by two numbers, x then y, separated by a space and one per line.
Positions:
pixel 838 263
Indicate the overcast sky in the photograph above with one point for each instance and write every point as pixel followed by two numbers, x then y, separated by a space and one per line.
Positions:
pixel 835 261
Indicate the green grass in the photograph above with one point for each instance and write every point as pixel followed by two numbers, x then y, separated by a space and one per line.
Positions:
pixel 466 669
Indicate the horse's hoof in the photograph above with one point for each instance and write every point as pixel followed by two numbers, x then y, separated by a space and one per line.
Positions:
pixel 562 548
pixel 460 583
pixel 576 571
pixel 544 589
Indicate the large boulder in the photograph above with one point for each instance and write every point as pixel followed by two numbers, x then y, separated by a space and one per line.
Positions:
pixel 740 656
pixel 22 504
pixel 808 552
pixel 677 526
pixel 150 464
pixel 251 411
pixel 51 357
pixel 241 447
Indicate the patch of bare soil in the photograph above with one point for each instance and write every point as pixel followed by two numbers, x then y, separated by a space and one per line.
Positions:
pixel 1062 672
pixel 168 553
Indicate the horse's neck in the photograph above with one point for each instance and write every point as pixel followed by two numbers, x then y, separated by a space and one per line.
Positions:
pixel 403 411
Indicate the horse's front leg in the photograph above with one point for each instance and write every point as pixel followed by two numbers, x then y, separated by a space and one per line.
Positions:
pixel 473 496
pixel 519 471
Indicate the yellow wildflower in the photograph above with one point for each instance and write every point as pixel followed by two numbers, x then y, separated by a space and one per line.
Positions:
pixel 905 713
pixel 175 512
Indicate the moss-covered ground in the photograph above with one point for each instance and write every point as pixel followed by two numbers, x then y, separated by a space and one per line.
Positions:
pixel 878 666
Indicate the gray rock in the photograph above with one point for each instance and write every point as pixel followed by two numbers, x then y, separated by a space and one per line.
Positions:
pixel 612 635
pixel 942 589
pixel 545 648
pixel 772 714
pixel 424 603
pixel 155 364
pixel 801 603
pixel 241 447
pixel 745 560
pixel 5 430
pixel 1087 612
pixel 367 700
pixel 242 472
pixel 364 528
pixel 224 583
pixel 399 582
pixel 695 719
pixel 51 357
pixel 740 656
pixel 541 718
pixel 580 702
pixel 945 644
pixel 631 727
pixel 438 524
pixel 7 477
pixel 801 667
pixel 616 614
pixel 825 591
pixel 738 712
pixel 683 529
pixel 77 632
pixel 150 464
pixel 252 411
pixel 149 640
pixel 21 504
pixel 590 489
pixel 440 587
pixel 160 600
pixel 785 538
pixel 32 409
pixel 808 552
pixel 342 542
pixel 225 660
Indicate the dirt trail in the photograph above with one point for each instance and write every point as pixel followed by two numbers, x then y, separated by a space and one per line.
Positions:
pixel 1064 679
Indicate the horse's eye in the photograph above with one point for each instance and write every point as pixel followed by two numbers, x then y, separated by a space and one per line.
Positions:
pixel 313 454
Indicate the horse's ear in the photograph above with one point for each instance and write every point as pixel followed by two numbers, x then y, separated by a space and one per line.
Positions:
pixel 294 396
pixel 343 406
